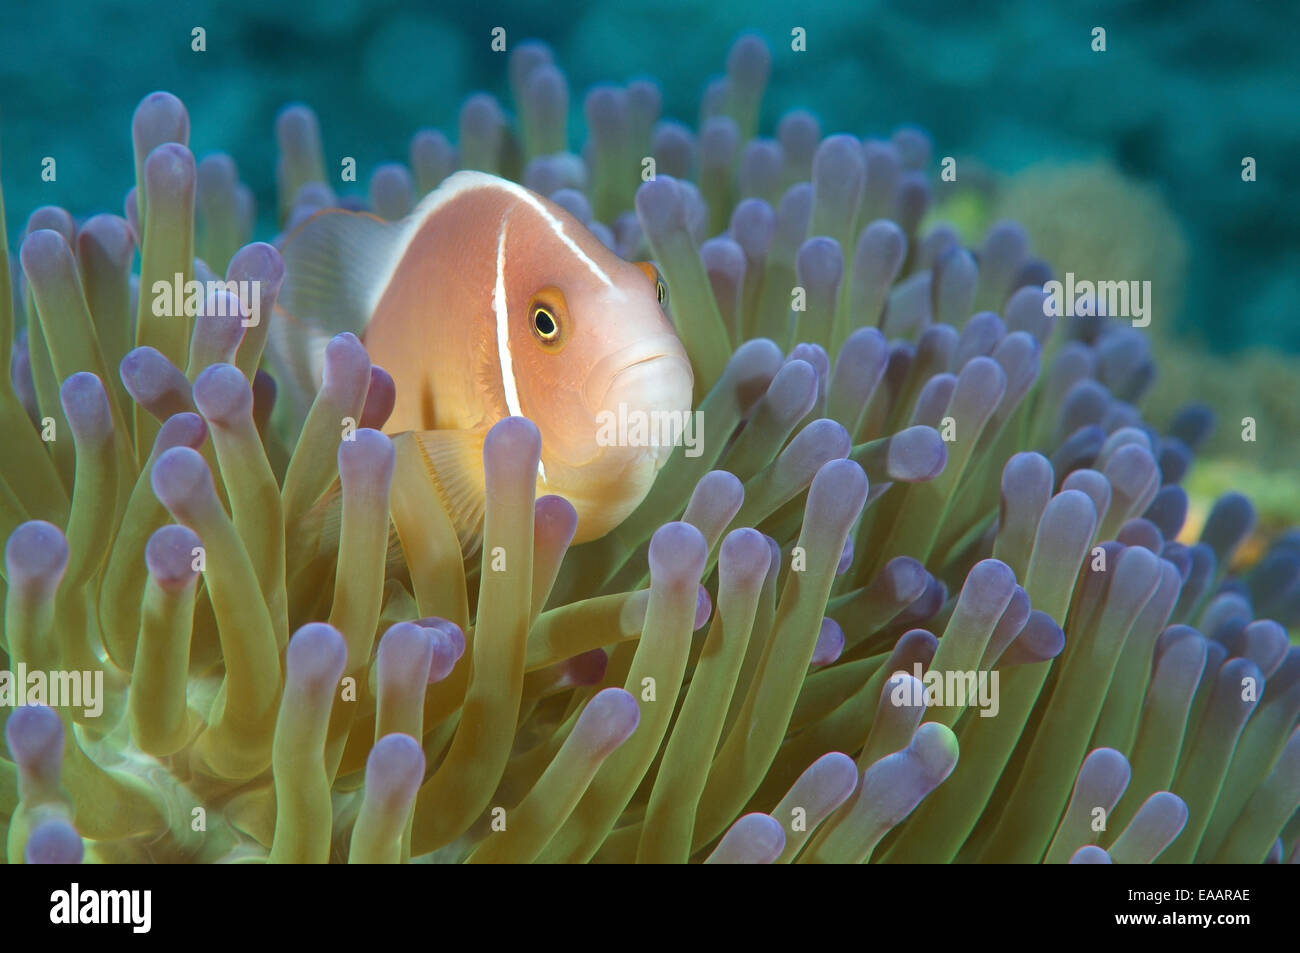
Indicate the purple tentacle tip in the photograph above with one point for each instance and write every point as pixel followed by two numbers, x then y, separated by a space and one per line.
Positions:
pixel 586 669
pixel 36 556
pixel 394 768
pixel 718 142
pixel 1230 521
pixel 677 553
pixel 54 841
pixel 526 58
pixel 169 556
pixel 703 609
pixel 819 265
pixel 673 146
pixel 606 110
pixel 838 170
pixel 55 219
pixel 915 455
pixel 480 117
pixel 1141 532
pixel 1193 425
pixel 661 207
pixel 221 327
pixel 86 405
pixel 821 442
pixel 1105 769
pixel 392 191
pixel 839 490
pixel 546 93
pixel 905 579
pixel 816 357
pixel 1091 854
pixel 989 586
pixel 223 395
pixel 761 168
pixel 34 734
pixel 170 174
pixel 347 368
pixel 793 391
pixel 366 460
pixel 448 647
pixel 182 482
pixel 511 451
pixel 754 839
pixel 555 517
pixel 846 558
pixel 404 647
pixel 448 643
pixel 743 559
pixel 316 655
pixel 830 644
pixel 160 117
pixel 799 132
pixel 1039 640
pixel 608 720
pixel 749 62
pixel 753 223
pixel 258 262
pixel 381 397
pixel 155 383
pixel 46 256
pixel 185 429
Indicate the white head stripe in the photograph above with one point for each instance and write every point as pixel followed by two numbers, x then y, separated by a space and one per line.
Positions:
pixel 558 227
pixel 499 308
pixel 508 383
pixel 459 184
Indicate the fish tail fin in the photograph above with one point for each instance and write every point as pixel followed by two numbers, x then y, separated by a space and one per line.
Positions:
pixel 335 264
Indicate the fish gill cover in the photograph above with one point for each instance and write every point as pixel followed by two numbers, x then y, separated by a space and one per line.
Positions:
pixel 917 583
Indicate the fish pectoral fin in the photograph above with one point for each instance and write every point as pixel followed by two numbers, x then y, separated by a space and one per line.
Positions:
pixel 454 460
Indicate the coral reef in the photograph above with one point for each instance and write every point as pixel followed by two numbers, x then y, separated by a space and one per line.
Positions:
pixel 920 597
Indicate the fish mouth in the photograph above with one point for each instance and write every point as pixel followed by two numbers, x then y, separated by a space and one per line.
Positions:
pixel 632 371
pixel 656 382
pixel 645 360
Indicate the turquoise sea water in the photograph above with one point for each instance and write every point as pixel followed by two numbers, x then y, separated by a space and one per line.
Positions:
pixel 1182 93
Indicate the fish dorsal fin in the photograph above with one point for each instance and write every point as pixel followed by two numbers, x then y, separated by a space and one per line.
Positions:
pixel 454 459
pixel 336 265
pixel 297 353
pixel 338 262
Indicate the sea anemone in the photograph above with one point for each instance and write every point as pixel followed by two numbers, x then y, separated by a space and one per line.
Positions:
pixel 921 596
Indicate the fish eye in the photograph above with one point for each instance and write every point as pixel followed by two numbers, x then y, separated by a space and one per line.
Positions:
pixel 650 271
pixel 547 314
pixel 544 323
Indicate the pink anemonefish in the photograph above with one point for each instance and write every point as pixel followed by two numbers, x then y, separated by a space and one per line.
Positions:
pixel 490 301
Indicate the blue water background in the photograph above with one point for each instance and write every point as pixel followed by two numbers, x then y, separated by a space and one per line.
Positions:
pixel 1184 91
